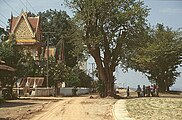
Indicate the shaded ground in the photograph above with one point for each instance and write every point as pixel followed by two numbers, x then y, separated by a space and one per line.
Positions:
pixel 22 108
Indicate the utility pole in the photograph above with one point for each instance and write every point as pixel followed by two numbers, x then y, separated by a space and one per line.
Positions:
pixel 47 77
pixel 47 68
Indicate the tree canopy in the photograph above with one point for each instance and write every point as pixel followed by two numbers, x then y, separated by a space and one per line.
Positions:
pixel 108 27
pixel 160 56
pixel 12 58
pixel 59 23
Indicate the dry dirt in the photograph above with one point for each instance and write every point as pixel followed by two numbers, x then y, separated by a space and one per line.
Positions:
pixel 165 107
pixel 22 108
pixel 62 108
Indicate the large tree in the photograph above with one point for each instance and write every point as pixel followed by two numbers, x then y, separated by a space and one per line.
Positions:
pixel 24 64
pixel 12 58
pixel 108 27
pixel 59 23
pixel 160 56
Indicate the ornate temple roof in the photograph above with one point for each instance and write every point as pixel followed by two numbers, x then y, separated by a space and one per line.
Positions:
pixel 26 29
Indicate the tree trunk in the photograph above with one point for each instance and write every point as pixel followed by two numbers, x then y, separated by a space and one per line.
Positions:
pixel 56 88
pixel 162 86
pixel 106 75
pixel 167 88
pixel 110 86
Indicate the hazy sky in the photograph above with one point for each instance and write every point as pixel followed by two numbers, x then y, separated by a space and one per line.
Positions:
pixel 168 12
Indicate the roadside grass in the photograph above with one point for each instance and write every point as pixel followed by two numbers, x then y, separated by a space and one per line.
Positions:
pixel 155 108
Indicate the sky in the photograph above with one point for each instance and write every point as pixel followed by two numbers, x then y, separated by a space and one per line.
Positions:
pixel 167 12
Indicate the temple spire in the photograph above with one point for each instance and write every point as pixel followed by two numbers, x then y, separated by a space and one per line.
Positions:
pixel 10 21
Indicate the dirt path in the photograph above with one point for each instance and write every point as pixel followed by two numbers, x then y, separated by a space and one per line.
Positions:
pixel 78 108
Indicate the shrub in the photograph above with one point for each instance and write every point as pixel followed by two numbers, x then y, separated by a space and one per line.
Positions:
pixel 2 100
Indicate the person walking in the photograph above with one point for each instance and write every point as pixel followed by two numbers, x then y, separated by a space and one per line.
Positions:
pixel 139 91
pixel 157 90
pixel 144 91
pixel 128 91
pixel 152 90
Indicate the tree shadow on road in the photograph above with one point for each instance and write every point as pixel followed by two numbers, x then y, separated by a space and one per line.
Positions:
pixel 14 104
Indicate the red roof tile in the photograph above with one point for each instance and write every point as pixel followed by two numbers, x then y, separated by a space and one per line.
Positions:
pixel 13 23
pixel 33 22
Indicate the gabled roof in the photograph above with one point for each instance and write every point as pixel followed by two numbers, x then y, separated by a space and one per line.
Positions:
pixel 32 22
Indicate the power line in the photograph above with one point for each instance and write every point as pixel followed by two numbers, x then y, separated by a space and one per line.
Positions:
pixel 1 26
pixel 3 16
pixel 3 22
pixel 24 5
pixel 31 7
pixel 10 6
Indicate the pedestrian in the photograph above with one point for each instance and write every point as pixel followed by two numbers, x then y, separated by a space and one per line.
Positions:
pixel 139 91
pixel 144 91
pixel 128 91
pixel 148 91
pixel 157 90
pixel 152 90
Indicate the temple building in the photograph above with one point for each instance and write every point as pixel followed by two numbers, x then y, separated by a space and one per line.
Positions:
pixel 27 34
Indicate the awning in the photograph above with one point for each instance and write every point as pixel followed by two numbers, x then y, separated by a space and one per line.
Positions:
pixel 7 68
pixel 31 82
pixel 28 42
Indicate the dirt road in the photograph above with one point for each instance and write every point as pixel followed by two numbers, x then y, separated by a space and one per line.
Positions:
pixel 78 108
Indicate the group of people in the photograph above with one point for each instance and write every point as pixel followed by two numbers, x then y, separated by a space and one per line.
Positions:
pixel 152 90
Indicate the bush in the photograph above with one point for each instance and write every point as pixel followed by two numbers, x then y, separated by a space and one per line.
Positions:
pixel 100 88
pixel 2 100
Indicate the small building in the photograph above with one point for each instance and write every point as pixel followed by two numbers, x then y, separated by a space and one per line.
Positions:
pixel 4 67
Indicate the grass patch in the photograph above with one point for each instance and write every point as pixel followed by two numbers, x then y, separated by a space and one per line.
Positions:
pixel 155 108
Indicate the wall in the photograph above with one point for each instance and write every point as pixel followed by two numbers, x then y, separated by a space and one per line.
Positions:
pixel 69 91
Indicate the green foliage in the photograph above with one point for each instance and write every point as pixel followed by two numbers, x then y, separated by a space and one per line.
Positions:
pixel 100 88
pixel 108 28
pixel 2 100
pixel 160 56
pixel 78 78
pixel 1 31
pixel 5 36
pixel 85 80
pixel 57 72
pixel 72 79
pixel 55 21
pixel 60 23
pixel 24 64
pixel 11 57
